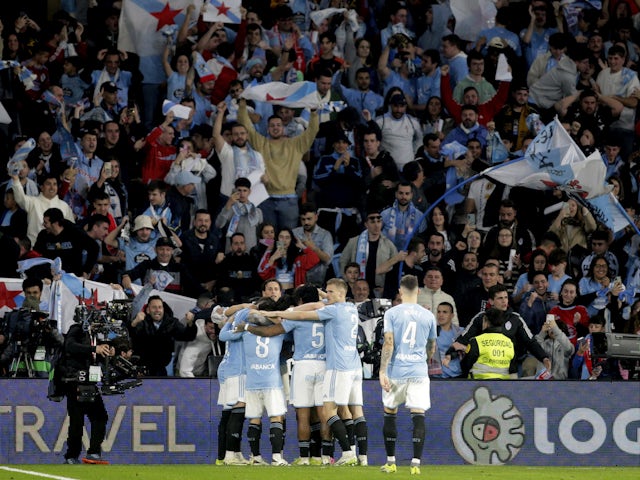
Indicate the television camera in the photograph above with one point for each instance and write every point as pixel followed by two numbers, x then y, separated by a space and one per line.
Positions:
pixel 370 332
pixel 109 325
pixel 31 337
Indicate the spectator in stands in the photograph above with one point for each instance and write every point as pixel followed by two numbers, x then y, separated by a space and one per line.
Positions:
pixel 373 252
pixel 140 247
pixel 410 266
pixel 512 117
pixel 13 219
pixel 111 72
pixel 401 133
pixel 289 262
pixel 600 240
pixel 240 215
pixel 573 226
pixel 537 302
pixel 316 238
pixel 475 78
pixel 239 270
pixel 447 333
pixel 432 295
pixel 477 299
pixel 383 171
pixel 200 247
pixel 160 152
pixel 620 82
pixel 558 46
pixel 62 238
pixel 535 38
pixel 282 157
pixel 599 288
pixel 183 282
pixel 560 82
pixel 456 59
pixel 587 363
pixel 339 177
pixel 570 313
pixel 402 219
pixel 523 239
pixel 325 58
pixel 538 262
pixel 45 158
pixel 468 129
pixel 154 332
pixel 36 206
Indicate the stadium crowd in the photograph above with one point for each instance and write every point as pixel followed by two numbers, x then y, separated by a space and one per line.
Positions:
pixel 118 191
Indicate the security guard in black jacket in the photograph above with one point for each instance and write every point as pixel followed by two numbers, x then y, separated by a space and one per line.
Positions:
pixel 83 396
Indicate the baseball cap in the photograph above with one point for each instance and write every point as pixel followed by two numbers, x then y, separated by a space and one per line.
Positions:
pixel 110 87
pixel 164 242
pixel 496 42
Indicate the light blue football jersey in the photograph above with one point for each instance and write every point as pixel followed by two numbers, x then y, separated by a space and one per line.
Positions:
pixel 262 361
pixel 308 339
pixel 411 325
pixel 232 363
pixel 341 333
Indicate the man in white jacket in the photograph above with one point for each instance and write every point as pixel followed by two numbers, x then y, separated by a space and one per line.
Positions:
pixel 36 206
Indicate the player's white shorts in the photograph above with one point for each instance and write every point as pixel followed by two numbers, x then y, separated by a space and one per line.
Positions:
pixel 342 387
pixel 232 390
pixel 307 378
pixel 269 399
pixel 413 392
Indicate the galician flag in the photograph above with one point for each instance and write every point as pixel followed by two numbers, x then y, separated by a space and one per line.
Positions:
pixel 145 28
pixel 295 95
pixel 225 11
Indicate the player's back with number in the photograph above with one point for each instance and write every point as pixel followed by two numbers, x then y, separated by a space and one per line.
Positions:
pixel 341 333
pixel 262 361
pixel 412 326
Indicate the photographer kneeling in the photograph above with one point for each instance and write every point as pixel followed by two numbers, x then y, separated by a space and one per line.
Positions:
pixel 81 374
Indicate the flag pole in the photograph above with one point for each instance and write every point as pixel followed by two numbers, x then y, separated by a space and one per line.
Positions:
pixel 444 195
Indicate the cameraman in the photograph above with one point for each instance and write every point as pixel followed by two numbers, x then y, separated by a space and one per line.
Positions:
pixel 83 397
pixel 28 336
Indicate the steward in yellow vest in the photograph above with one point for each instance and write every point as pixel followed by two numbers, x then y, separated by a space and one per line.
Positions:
pixel 489 355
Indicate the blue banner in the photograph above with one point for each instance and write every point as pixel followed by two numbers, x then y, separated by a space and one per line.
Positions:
pixel 520 423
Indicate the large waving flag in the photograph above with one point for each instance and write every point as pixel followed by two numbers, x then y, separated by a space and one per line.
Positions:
pixel 553 160
pixel 144 27
pixel 296 95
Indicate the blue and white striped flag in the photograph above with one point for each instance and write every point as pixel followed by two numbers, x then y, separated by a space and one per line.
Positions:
pixel 295 95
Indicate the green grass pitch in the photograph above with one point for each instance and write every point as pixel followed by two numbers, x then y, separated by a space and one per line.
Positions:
pixel 207 472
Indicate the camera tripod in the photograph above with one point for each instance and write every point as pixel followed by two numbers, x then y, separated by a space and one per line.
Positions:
pixel 22 361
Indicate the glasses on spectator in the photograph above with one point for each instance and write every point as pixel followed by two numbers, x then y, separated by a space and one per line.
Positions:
pixel 374 218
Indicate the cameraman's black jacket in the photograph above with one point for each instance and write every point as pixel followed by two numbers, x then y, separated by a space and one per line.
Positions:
pixel 155 345
pixel 78 352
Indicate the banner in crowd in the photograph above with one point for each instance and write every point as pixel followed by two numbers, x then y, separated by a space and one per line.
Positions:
pixel 174 421
pixel 145 28
pixel 295 95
